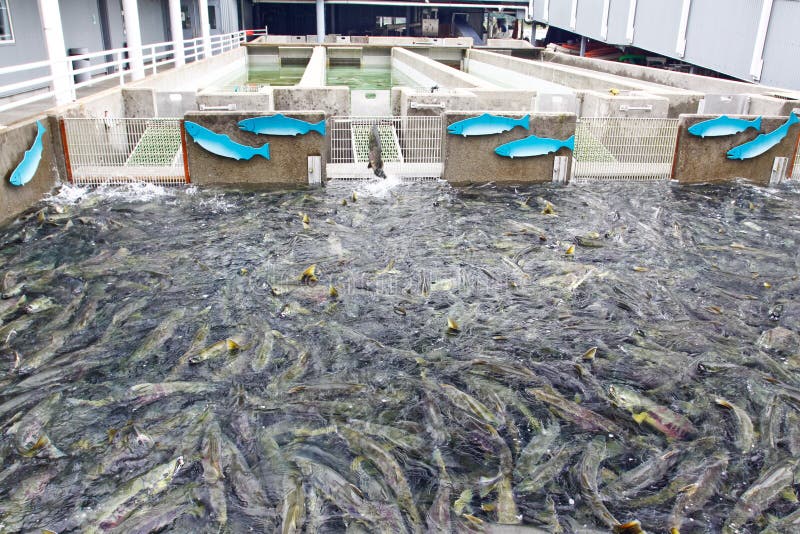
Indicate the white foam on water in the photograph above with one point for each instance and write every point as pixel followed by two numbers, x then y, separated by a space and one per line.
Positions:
pixel 379 187
pixel 142 192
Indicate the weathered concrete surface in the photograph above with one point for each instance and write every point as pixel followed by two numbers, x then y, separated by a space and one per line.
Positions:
pixel 704 160
pixel 335 100
pixel 15 140
pixel 261 101
pixel 441 74
pixel 413 102
pixel 471 160
pixel 139 102
pixel 199 74
pixel 633 104
pixel 680 100
pixel 288 163
pixel 680 80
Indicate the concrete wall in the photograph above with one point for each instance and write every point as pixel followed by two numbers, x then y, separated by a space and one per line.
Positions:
pixel 288 163
pixel 315 73
pixel 406 101
pixel 199 74
pixel 444 76
pixel 260 101
pixel 699 160
pixel 470 160
pixel 335 100
pixel 153 21
pixel 15 141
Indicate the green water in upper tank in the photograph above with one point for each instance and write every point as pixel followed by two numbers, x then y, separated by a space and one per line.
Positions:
pixel 371 77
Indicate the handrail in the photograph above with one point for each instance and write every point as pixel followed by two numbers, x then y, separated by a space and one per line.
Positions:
pixel 156 56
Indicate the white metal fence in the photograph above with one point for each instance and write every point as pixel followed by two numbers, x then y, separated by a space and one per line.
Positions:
pixel 796 169
pixel 411 147
pixel 619 148
pixel 55 79
pixel 122 151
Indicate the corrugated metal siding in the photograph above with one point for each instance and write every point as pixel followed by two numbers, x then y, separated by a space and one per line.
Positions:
pixel 723 39
pixel 782 49
pixel 656 26
pixel 617 21
pixel 590 18
pixel 560 13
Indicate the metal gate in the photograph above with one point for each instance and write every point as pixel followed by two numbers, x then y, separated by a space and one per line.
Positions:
pixel 624 149
pixel 411 147
pixel 122 151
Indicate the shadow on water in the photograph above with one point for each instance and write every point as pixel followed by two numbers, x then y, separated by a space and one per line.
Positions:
pixel 573 359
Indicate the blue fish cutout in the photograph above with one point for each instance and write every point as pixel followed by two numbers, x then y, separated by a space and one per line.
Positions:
pixel 30 161
pixel 533 146
pixel 723 125
pixel 763 142
pixel 221 144
pixel 487 124
pixel 280 125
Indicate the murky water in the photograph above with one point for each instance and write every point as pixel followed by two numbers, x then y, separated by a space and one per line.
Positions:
pixel 451 362
pixel 368 77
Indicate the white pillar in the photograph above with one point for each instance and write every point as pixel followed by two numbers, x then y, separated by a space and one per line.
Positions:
pixel 205 28
pixel 320 21
pixel 757 65
pixel 56 50
pixel 133 36
pixel 176 29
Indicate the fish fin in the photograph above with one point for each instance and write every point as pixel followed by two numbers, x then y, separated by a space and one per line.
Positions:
pixel 570 143
pixel 793 118
pixel 263 151
pixel 757 124
pixel 525 122
pixel 319 127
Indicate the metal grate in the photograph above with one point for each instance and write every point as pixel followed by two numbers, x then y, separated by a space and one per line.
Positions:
pixel 411 147
pixel 796 168
pixel 627 149
pixel 121 151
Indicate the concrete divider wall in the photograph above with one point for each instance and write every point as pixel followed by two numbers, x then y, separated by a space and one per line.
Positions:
pixel 199 74
pixel 415 102
pixel 680 101
pixel 704 160
pixel 680 80
pixel 443 75
pixel 335 100
pixel 15 140
pixel 633 105
pixel 288 163
pixel 315 73
pixel 471 160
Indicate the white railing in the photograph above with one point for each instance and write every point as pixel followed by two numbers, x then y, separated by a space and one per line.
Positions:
pixel 104 66
pixel 618 148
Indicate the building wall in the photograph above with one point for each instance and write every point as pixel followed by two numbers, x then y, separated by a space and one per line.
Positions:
pixel 28 45
pixel 720 35
pixel 154 21
pixel 782 49
pixel 80 20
